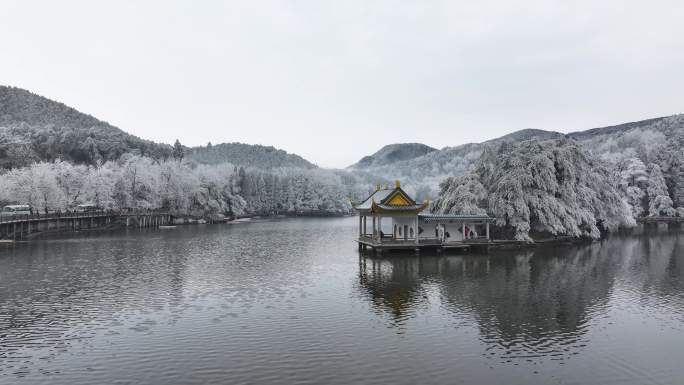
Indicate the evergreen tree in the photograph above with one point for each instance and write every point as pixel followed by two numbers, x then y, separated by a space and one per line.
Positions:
pixel 178 152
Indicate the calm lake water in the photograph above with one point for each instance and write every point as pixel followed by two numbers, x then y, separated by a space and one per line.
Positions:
pixel 290 301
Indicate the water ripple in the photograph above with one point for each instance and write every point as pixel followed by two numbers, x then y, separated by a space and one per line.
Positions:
pixel 291 302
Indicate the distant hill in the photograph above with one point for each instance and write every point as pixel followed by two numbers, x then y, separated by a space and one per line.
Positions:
pixel 528 134
pixel 665 124
pixel 426 160
pixel 21 106
pixel 425 172
pixel 265 157
pixel 393 153
pixel 34 128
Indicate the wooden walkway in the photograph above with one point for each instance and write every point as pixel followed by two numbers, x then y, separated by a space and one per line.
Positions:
pixel 668 220
pixel 20 226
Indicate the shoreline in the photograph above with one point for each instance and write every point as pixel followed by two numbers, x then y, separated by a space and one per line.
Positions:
pixel 497 244
pixel 175 221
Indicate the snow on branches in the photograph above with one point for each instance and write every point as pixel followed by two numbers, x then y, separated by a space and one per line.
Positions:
pixel 542 186
pixel 183 188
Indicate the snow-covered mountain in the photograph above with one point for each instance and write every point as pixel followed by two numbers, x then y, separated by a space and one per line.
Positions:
pixel 265 157
pixel 392 153
pixel 35 128
pixel 645 140
pixel 645 161
pixel 55 157
pixel 528 134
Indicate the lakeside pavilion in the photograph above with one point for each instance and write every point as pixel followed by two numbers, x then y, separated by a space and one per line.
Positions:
pixel 397 222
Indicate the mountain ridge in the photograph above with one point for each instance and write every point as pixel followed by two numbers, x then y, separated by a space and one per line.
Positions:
pixel 393 152
pixel 34 128
pixel 527 134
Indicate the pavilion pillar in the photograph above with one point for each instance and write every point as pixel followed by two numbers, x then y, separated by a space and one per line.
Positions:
pixel 364 225
pixel 487 230
pixel 464 233
pixel 415 230
pixel 374 231
pixel 380 229
pixel 360 225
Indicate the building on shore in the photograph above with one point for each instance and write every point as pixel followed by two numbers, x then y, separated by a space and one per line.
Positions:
pixel 397 222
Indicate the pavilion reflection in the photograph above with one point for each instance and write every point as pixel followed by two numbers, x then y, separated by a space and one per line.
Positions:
pixel 532 303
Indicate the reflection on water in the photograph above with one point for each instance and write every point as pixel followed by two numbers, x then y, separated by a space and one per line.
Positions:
pixel 524 305
pixel 537 303
pixel 291 301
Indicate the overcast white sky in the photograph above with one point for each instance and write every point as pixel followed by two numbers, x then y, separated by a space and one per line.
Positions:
pixel 335 80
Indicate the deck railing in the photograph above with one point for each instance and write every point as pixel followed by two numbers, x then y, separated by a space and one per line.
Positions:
pixel 388 239
pixel 660 219
pixel 9 218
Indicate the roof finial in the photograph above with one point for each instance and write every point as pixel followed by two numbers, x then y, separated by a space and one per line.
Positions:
pixel 397 184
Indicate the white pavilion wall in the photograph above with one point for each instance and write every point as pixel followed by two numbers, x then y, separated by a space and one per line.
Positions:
pixel 386 225
pixel 455 230
pixel 409 222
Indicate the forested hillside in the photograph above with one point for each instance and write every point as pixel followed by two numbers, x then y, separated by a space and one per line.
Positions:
pixel 537 187
pixel 54 158
pixel 628 150
pixel 265 157
pixel 632 151
pixel 393 153
pixel 222 190
pixel 34 128
pixel 575 188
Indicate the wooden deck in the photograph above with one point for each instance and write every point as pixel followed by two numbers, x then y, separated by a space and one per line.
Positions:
pixel 668 220
pixel 434 244
pixel 423 243
pixel 20 226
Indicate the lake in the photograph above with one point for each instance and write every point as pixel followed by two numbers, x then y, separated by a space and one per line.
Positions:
pixel 290 301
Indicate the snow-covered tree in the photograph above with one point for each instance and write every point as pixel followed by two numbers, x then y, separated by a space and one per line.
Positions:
pixel 541 186
pixel 659 201
pixel 461 195
pixel 178 152
pixel 183 188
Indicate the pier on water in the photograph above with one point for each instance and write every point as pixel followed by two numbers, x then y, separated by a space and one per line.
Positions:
pixel 21 226
pixel 397 223
pixel 675 222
